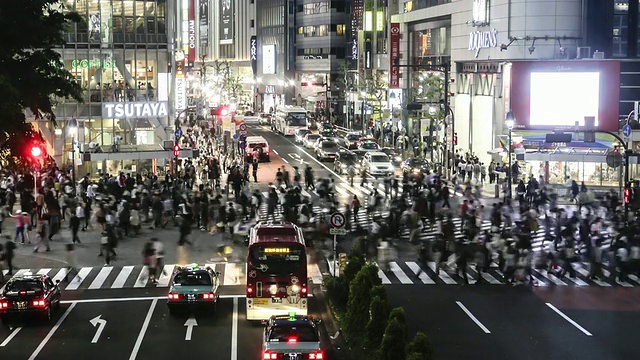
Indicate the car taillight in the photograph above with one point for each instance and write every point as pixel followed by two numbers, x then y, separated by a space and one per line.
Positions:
pixel 269 355
pixel 292 340
pixel 316 355
pixel 38 303
pixel 173 296
pixel 4 305
pixel 209 296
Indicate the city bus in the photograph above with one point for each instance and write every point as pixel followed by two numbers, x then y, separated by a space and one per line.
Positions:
pixel 276 271
pixel 288 119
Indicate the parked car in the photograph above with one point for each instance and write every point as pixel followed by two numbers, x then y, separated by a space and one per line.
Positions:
pixel 344 159
pixel 300 134
pixel 377 164
pixel 327 150
pixel 310 140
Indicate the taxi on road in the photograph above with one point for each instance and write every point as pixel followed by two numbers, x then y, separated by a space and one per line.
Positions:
pixel 193 287
pixel 29 295
pixel 291 337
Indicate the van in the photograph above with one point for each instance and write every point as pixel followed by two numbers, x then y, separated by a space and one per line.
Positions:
pixel 257 144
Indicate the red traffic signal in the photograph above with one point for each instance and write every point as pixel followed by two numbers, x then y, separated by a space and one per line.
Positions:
pixel 455 139
pixel 627 195
pixel 223 111
pixel 36 151
pixel 176 150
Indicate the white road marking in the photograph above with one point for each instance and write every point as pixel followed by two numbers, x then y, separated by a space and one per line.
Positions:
pixel 78 279
pixel 285 160
pixel 43 271
pixel 22 272
pixel 165 277
pixel 60 275
pixel 490 279
pixel 102 276
pixel 275 152
pixel 551 277
pixel 122 277
pixel 51 332
pixel 5 272
pixel 569 319
pixel 234 331
pixel 475 320
pixel 143 330
pixel 316 274
pixel 142 298
pixel 383 277
pixel 606 273
pixel 585 273
pixel 423 275
pixel 397 271
pixel 143 277
pixel 231 274
pixel 443 274
pixel 11 336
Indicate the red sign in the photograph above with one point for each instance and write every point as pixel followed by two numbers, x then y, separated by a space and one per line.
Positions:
pixel 192 32
pixel 394 71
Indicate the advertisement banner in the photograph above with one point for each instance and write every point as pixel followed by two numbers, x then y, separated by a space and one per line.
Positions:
pixel 269 59
pixel 226 22
pixel 394 71
pixel 133 110
pixel 253 54
pixel 192 32
pixel 94 27
pixel 203 25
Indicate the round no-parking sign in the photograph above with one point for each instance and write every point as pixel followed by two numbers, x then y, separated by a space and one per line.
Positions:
pixel 337 220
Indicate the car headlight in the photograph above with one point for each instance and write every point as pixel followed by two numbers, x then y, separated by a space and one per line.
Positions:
pixel 273 289
pixel 398 158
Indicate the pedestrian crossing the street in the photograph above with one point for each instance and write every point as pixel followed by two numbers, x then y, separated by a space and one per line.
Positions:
pixel 124 277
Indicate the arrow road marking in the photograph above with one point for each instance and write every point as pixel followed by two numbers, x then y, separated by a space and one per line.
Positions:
pixel 297 157
pixel 100 323
pixel 190 323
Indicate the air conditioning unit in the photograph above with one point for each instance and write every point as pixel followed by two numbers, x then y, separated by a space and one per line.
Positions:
pixel 598 55
pixel 584 52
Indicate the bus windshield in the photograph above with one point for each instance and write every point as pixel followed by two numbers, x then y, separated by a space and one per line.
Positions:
pixel 297 119
pixel 277 259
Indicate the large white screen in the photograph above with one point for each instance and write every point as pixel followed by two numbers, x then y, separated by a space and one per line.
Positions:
pixel 561 99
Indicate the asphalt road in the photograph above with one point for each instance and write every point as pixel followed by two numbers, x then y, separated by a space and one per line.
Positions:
pixel 487 322
pixel 135 324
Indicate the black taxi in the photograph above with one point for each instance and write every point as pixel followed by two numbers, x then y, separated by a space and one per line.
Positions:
pixel 29 295
pixel 291 337
pixel 193 287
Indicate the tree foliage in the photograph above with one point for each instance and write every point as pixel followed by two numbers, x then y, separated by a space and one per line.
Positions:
pixel 379 315
pixel 30 73
pixel 359 301
pixel 394 341
pixel 420 348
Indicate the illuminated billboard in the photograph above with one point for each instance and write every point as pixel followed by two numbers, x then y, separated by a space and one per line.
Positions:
pixel 554 95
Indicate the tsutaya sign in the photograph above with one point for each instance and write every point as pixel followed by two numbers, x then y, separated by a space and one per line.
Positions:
pixel 483 39
pixel 135 110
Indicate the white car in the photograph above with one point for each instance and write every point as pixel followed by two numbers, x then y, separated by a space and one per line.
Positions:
pixel 310 140
pixel 378 164
pixel 300 135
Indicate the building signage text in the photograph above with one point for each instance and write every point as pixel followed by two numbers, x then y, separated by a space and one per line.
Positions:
pixel 135 110
pixel 394 71
pixel 203 25
pixel 269 89
pixel 483 39
pixel 480 13
pixel 191 31
pixel 86 64
pixel 253 54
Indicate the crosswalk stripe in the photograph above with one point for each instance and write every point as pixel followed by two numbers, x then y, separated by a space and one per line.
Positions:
pixel 5 272
pixel 490 279
pixel 606 273
pixel 342 191
pixel 22 272
pixel 585 273
pixel 78 279
pixel 122 277
pixel 417 270
pixel 43 271
pixel 314 271
pixel 383 277
pixel 60 275
pixel 165 277
pixel 231 274
pixel 634 278
pixel 102 276
pixel 443 274
pixel 552 277
pixel 143 277
pixel 397 271
pixel 305 193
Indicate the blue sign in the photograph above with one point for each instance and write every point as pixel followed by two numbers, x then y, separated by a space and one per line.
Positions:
pixel 235 136
pixel 626 130
pixel 243 145
pixel 243 137
pixel 178 133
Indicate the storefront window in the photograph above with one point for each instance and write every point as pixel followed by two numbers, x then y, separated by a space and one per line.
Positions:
pixel 595 174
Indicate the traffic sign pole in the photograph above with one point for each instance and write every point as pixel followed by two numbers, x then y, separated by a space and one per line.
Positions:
pixel 337 221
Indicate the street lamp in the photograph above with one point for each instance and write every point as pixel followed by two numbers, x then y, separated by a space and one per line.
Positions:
pixel 72 126
pixel 510 121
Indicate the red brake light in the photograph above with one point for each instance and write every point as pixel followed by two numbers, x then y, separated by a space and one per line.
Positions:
pixel 316 356
pixel 292 340
pixel 269 355
pixel 4 304
pixel 38 303
pixel 209 296
pixel 173 296
pixel 304 290
pixel 23 293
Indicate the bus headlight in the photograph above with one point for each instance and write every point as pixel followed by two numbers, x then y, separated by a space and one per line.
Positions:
pixel 295 289
pixel 273 289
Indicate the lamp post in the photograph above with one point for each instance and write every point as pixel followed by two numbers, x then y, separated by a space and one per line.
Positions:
pixel 510 121
pixel 72 126
pixel 36 152
pixel 364 96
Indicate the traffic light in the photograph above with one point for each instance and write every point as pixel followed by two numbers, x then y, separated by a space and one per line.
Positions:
pixel 176 150
pixel 223 111
pixel 628 194
pixel 36 151
pixel 455 139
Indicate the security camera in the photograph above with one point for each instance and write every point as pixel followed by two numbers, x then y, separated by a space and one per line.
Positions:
pixel 563 50
pixel 531 49
pixel 503 47
pixel 93 145
pixel 118 138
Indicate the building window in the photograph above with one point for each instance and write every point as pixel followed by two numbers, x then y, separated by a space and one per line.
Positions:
pixel 316 8
pixel 341 30
pixel 253 23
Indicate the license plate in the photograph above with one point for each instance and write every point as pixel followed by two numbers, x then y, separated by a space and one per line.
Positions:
pixel 276 300
pixel 21 304
pixel 191 297
pixel 293 356
pixel 260 301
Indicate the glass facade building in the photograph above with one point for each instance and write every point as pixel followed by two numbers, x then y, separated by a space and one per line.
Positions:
pixel 120 54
